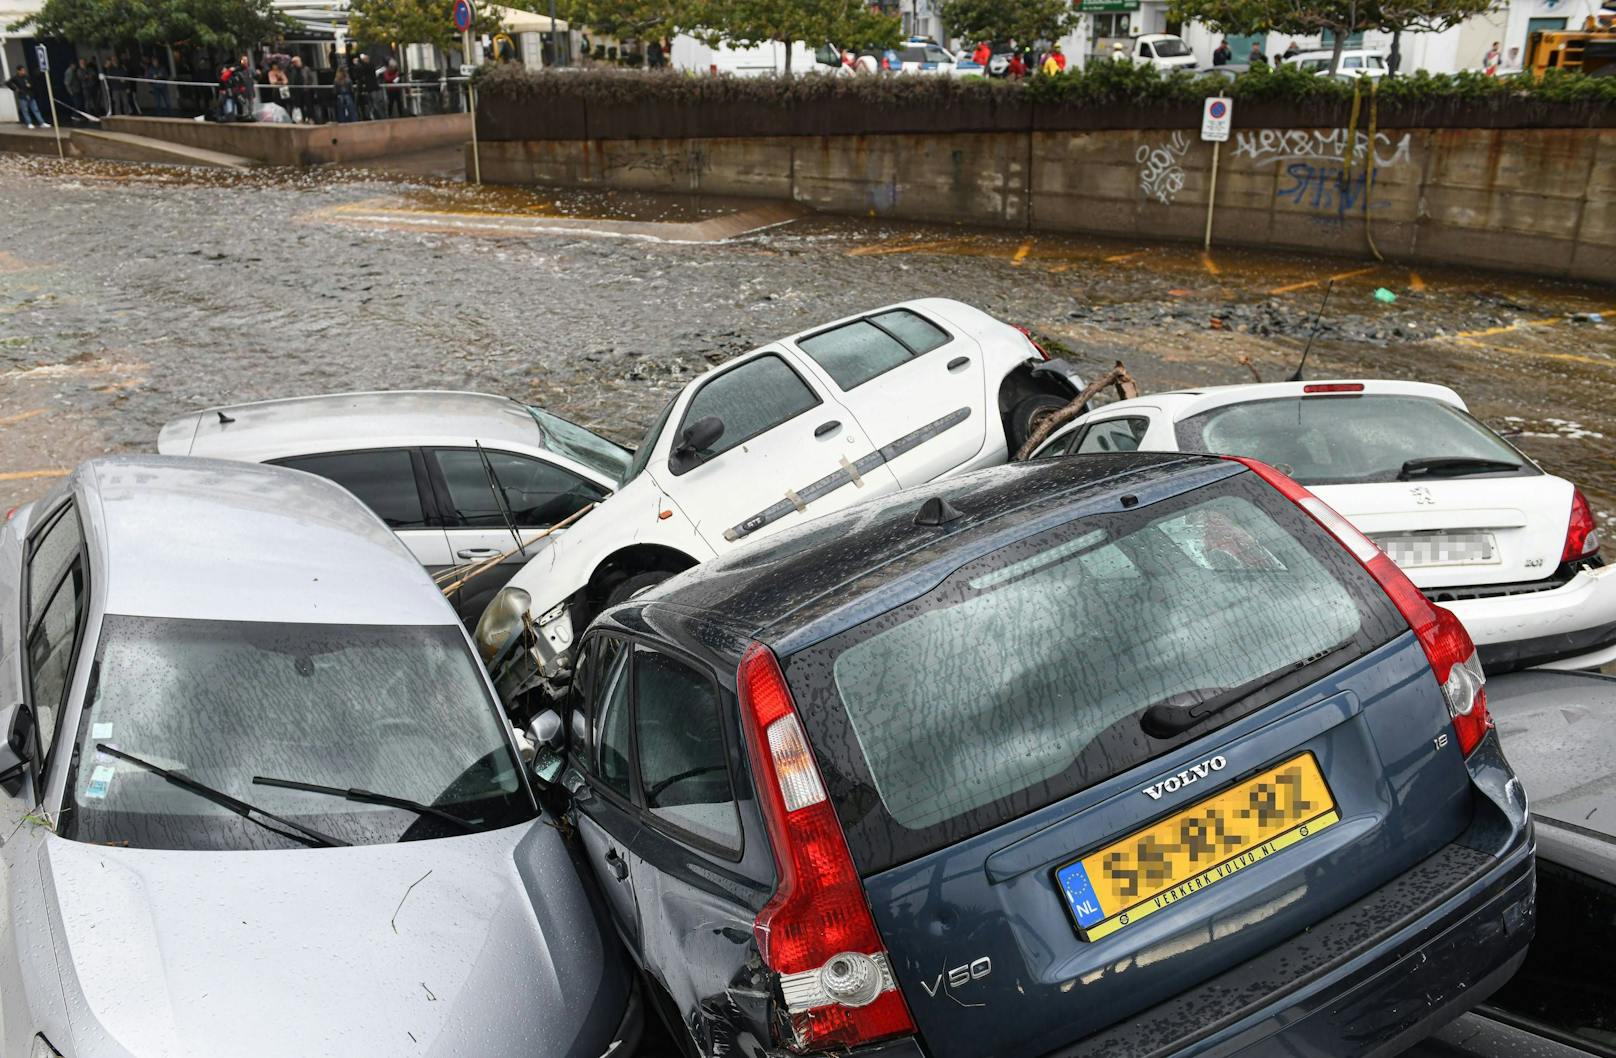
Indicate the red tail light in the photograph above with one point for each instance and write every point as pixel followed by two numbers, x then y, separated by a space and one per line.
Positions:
pixel 1333 387
pixel 816 931
pixel 1582 534
pixel 1446 643
pixel 10 514
pixel 1027 333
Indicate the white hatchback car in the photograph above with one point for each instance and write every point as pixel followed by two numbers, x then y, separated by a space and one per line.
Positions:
pixel 427 462
pixel 1478 526
pixel 864 406
pixel 1354 62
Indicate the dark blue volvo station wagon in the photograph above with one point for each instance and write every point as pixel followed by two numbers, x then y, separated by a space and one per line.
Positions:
pixel 1118 755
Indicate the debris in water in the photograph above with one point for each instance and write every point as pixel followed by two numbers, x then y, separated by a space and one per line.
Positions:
pixel 1382 294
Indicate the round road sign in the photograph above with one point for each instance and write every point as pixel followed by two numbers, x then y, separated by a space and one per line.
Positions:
pixel 464 15
pixel 1219 108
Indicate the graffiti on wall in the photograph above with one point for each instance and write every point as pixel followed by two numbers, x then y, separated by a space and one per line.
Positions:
pixel 1275 146
pixel 1315 166
pixel 1161 177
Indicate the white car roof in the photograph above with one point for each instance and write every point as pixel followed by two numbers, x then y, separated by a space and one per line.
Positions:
pixel 1181 404
pixel 230 541
pixel 335 421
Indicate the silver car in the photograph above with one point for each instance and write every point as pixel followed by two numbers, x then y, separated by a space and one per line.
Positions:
pixel 258 798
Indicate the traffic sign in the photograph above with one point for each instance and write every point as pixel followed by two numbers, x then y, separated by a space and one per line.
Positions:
pixel 464 15
pixel 43 57
pixel 467 69
pixel 1216 118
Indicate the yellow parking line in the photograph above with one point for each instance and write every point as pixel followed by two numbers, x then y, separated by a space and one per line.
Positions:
pixel 1209 264
pixel 1021 252
pixel 914 247
pixel 1415 283
pixel 28 475
pixel 1315 282
pixel 12 420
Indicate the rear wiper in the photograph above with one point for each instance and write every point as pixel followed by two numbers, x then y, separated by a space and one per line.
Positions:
pixel 1452 467
pixel 368 797
pixel 1182 711
pixel 251 813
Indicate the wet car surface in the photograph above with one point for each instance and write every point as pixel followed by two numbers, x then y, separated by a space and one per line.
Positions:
pixel 130 294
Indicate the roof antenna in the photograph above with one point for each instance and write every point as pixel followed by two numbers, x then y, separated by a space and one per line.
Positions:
pixel 224 420
pixel 1316 317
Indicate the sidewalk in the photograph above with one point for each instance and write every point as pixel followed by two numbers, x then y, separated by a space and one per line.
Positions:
pixel 23 140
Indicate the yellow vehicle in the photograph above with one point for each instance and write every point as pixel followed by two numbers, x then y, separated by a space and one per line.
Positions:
pixel 1592 52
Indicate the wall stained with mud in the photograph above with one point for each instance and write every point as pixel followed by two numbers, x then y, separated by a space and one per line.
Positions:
pixel 1534 200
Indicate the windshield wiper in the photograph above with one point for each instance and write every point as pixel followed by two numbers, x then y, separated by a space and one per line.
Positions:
pixel 1180 712
pixel 1452 467
pixel 369 797
pixel 251 813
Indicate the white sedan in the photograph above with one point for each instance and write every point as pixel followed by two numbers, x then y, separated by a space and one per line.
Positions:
pixel 1478 526
pixel 887 399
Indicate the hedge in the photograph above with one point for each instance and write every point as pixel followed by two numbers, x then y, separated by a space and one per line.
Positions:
pixel 1099 84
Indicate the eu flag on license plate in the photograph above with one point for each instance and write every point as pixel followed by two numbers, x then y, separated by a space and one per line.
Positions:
pixel 1080 894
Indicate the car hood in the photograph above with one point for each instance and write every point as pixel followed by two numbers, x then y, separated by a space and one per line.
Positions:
pixel 485 944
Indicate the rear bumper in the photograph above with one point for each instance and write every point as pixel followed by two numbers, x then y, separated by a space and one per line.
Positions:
pixel 1571 625
pixel 1377 975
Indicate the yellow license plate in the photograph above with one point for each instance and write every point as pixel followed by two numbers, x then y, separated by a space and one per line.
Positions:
pixel 1200 846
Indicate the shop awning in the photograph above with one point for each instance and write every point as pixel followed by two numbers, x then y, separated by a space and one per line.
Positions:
pixel 516 21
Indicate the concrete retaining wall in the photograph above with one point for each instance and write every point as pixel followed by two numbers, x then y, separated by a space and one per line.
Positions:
pixel 1536 200
pixel 297 145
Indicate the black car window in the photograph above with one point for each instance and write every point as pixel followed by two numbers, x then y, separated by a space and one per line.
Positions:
pixel 50 554
pixel 1568 982
pixel 1025 675
pixel 579 695
pixel 1344 439
pixel 1112 435
pixel 854 353
pixel 684 770
pixel 612 729
pixel 51 648
pixel 537 494
pixel 382 479
pixel 751 399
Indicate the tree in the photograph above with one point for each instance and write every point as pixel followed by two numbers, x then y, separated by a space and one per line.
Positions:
pixel 411 22
pixel 1019 20
pixel 1341 18
pixel 224 24
pixel 1425 16
pixel 631 19
pixel 845 23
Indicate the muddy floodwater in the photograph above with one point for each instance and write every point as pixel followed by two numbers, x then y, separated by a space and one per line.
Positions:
pixel 130 294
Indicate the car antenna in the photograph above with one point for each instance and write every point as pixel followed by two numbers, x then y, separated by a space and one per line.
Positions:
pixel 224 420
pixel 1316 317
pixel 499 499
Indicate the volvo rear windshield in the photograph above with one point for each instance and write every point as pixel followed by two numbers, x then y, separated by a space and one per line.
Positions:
pixel 1044 667
pixel 1350 439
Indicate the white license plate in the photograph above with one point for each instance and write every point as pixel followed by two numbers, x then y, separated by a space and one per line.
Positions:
pixel 1422 550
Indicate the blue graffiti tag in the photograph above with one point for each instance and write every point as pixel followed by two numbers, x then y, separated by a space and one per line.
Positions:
pixel 1325 188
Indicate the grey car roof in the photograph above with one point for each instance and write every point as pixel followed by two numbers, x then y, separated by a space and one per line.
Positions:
pixel 229 541
pixel 334 421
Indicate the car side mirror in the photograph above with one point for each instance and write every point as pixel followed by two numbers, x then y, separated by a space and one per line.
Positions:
pixel 703 433
pixel 548 757
pixel 18 748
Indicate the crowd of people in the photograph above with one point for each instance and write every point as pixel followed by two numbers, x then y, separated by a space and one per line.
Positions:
pixel 274 87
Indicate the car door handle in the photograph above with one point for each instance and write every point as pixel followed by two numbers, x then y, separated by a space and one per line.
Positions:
pixel 476 552
pixel 616 863
pixel 825 429
pixel 958 362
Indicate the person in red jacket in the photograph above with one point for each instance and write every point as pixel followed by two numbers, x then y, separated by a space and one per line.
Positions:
pixel 1058 57
pixel 982 53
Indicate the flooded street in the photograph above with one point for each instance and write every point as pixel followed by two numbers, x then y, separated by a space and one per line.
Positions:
pixel 131 294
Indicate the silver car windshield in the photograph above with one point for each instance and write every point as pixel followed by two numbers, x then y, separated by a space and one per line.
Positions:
pixel 583 446
pixel 397 711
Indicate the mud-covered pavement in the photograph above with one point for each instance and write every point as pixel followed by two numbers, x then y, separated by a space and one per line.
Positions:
pixel 130 294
